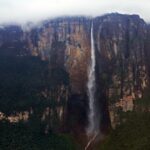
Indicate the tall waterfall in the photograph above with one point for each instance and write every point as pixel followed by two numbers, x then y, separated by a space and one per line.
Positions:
pixel 93 127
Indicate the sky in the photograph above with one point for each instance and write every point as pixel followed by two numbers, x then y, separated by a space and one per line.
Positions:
pixel 36 10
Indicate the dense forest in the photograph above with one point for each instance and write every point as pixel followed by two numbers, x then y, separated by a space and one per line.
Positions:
pixel 21 81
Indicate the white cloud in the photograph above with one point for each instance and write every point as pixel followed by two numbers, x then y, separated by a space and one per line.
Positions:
pixel 35 10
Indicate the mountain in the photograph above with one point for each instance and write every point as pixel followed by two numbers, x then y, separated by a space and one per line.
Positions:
pixel 44 70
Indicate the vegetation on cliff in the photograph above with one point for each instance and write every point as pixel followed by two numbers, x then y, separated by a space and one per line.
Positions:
pixel 133 131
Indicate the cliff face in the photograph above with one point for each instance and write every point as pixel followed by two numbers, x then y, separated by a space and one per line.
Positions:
pixel 64 42
pixel 122 48
pixel 120 42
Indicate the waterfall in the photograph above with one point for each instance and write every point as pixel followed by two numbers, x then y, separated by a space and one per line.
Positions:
pixel 93 124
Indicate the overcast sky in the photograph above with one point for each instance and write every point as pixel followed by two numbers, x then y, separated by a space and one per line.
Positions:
pixel 36 10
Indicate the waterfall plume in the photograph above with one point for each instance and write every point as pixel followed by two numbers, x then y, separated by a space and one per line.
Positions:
pixel 93 125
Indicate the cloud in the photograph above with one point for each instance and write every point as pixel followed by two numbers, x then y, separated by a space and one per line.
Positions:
pixel 36 10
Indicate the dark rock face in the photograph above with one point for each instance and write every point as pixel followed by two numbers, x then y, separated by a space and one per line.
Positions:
pixel 12 41
pixel 120 44
pixel 65 43
pixel 122 66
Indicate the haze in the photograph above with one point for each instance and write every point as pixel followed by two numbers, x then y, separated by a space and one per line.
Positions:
pixel 36 10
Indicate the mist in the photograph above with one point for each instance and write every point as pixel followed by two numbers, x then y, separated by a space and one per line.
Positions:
pixel 23 11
